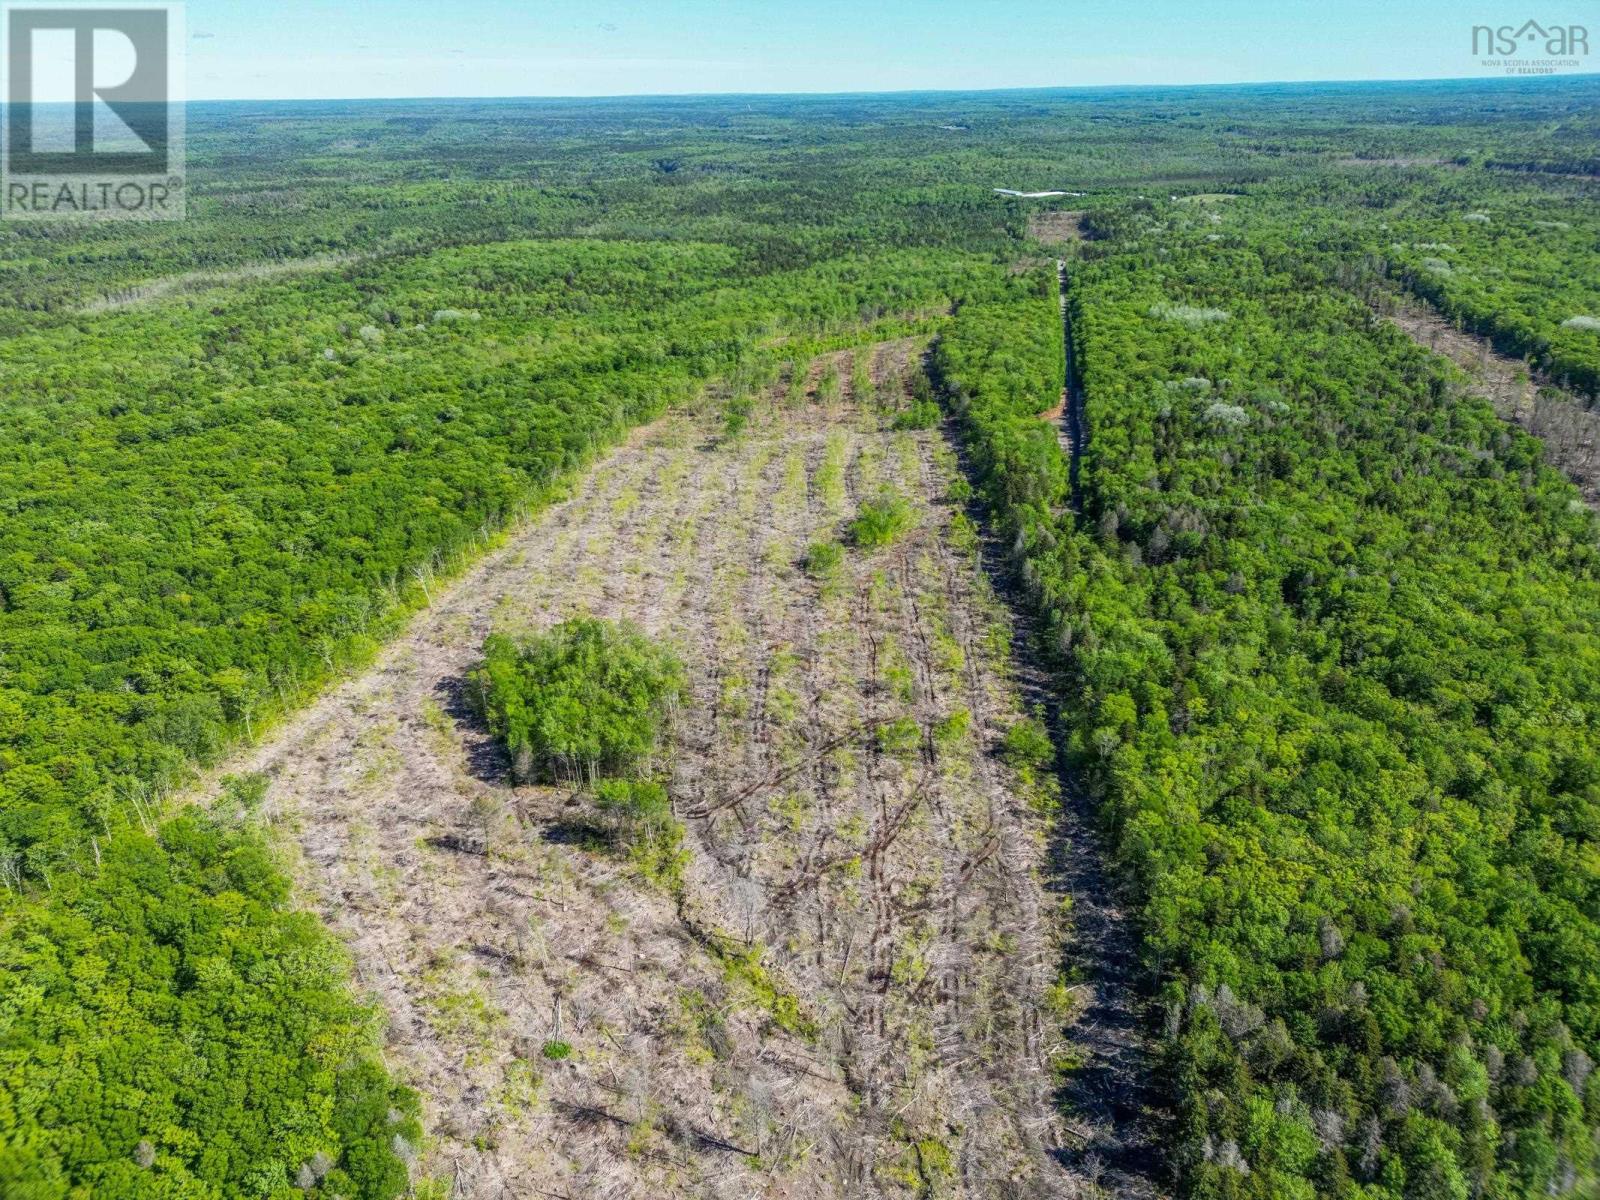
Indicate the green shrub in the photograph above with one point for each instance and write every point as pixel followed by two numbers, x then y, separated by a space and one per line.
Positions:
pixel 1027 746
pixel 882 522
pixel 643 827
pixel 588 698
pixel 921 414
pixel 824 560
pixel 736 415
pixel 900 736
pixel 556 1050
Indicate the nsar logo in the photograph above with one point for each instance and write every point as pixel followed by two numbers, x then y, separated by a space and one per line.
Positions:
pixel 1531 48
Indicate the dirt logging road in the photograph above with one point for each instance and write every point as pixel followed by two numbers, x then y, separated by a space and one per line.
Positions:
pixel 858 993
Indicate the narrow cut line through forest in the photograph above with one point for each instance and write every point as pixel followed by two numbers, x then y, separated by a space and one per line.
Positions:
pixel 1073 428
pixel 1112 1117
pixel 857 991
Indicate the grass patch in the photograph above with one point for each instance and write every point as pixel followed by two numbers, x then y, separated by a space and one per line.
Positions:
pixel 830 475
pixel 899 737
pixel 743 969
pixel 952 731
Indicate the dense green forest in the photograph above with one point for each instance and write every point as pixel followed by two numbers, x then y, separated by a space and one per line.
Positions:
pixel 1510 256
pixel 1515 265
pixel 1331 635
pixel 1329 626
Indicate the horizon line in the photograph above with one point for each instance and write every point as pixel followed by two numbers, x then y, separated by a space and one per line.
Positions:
pixel 1507 80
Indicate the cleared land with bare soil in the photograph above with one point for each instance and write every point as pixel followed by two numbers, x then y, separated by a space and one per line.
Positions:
pixel 1053 228
pixel 1568 426
pixel 857 994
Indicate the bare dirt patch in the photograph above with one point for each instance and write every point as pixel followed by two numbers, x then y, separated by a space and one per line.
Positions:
pixel 852 998
pixel 1568 425
pixel 1052 228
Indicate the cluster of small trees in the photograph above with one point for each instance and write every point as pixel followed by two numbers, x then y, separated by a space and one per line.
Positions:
pixel 588 699
pixel 589 703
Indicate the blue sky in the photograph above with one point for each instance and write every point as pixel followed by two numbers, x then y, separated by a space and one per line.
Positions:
pixel 345 48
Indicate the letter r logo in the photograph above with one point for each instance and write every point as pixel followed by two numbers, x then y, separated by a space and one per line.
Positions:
pixel 88 90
